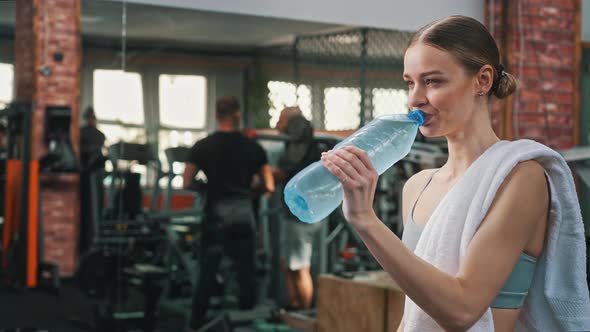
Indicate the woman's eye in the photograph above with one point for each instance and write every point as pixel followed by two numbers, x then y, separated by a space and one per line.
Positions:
pixel 431 81
pixel 409 84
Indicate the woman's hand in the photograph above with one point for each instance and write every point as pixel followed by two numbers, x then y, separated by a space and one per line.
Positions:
pixel 353 168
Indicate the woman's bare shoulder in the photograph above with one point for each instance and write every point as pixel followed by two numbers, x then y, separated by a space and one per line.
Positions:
pixel 527 176
pixel 412 188
pixel 416 181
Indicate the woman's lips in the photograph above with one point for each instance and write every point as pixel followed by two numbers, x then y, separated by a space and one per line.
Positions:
pixel 428 118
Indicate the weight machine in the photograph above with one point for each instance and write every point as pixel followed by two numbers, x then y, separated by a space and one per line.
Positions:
pixel 22 239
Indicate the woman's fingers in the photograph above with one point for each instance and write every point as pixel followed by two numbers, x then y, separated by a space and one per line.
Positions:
pixel 363 163
pixel 337 158
pixel 350 163
pixel 362 155
pixel 335 169
pixel 353 160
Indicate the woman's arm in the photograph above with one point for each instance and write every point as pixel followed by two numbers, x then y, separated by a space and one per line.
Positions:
pixel 454 301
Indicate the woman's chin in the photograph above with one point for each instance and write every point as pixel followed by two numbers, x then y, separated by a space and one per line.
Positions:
pixel 429 132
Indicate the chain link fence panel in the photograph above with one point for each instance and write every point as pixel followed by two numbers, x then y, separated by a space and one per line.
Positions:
pixel 340 80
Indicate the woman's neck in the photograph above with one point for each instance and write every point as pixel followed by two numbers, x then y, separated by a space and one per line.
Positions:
pixel 466 145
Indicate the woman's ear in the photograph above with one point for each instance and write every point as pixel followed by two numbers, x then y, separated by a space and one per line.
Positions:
pixel 485 79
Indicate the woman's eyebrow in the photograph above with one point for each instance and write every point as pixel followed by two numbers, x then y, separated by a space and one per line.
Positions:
pixel 431 72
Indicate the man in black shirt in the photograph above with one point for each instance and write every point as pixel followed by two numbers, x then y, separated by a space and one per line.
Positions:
pixel 229 160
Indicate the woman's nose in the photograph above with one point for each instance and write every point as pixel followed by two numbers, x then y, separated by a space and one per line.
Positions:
pixel 417 98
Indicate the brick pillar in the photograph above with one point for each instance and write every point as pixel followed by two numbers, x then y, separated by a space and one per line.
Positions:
pixel 47 72
pixel 539 42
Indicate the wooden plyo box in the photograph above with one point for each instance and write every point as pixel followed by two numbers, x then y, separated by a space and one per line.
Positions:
pixel 370 302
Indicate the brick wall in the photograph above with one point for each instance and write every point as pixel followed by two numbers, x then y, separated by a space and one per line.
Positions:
pixel 44 29
pixel 539 42
pixel 25 75
pixel 60 209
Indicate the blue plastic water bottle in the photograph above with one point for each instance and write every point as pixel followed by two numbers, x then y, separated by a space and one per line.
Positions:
pixel 314 192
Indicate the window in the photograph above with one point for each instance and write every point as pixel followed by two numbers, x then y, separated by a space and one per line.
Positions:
pixel 118 104
pixel 117 133
pixel 6 83
pixel 118 96
pixel 342 108
pixel 183 114
pixel 284 94
pixel 183 101
pixel 389 101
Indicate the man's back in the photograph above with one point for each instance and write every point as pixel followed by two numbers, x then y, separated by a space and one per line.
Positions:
pixel 229 160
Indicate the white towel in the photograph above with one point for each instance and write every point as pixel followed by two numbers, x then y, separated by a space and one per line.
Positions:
pixel 558 299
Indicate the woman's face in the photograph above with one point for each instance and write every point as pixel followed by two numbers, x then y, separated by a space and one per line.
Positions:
pixel 439 86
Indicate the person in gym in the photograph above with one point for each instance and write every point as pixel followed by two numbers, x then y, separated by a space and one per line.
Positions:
pixel 300 151
pixel 487 236
pixel 92 162
pixel 229 160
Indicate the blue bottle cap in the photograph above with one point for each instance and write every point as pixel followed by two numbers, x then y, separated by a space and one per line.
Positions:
pixel 418 116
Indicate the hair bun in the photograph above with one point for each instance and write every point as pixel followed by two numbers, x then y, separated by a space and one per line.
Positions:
pixel 506 84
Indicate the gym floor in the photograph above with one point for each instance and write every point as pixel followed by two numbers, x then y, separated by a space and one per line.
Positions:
pixel 69 311
pixel 37 310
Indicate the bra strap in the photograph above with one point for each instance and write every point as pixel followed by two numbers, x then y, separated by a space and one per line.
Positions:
pixel 421 191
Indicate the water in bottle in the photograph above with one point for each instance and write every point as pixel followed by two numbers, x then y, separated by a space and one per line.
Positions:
pixel 314 193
